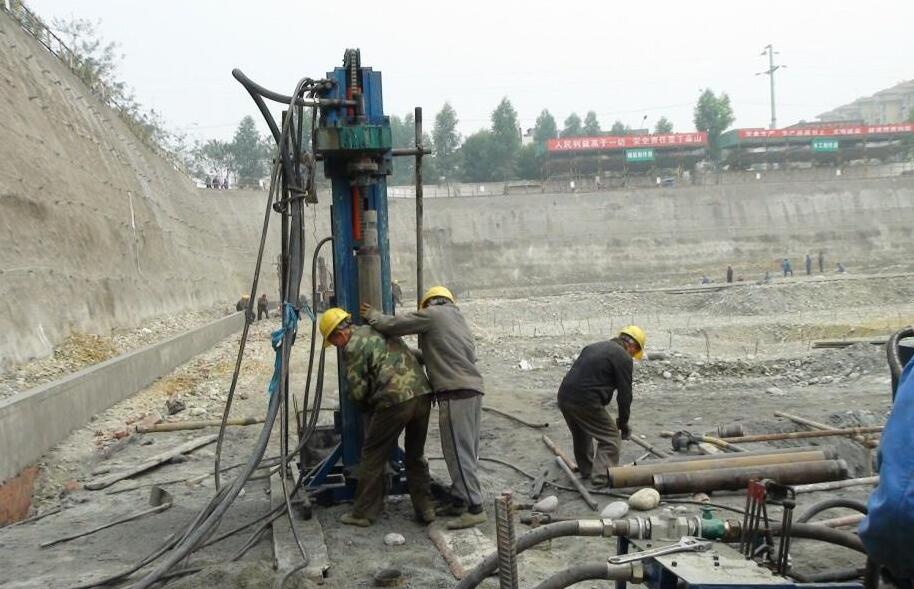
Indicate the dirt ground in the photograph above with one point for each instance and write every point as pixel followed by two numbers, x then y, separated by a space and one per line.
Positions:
pixel 719 356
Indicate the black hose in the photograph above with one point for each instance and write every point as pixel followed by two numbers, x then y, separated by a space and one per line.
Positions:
pixel 823 534
pixel 536 536
pixel 587 572
pixel 317 248
pixel 896 365
pixel 817 508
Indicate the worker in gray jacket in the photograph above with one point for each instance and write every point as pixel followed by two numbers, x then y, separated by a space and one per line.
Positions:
pixel 449 353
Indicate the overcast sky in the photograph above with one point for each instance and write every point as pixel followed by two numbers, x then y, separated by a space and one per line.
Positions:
pixel 623 59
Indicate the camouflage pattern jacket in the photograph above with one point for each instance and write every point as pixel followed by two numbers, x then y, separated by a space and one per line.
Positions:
pixel 381 371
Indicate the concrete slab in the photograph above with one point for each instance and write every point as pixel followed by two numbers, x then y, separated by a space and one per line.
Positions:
pixel 286 554
pixel 461 549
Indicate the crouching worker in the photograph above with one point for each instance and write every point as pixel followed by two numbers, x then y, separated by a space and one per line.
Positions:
pixel 385 380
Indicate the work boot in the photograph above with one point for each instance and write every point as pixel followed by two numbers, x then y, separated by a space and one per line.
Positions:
pixel 455 508
pixel 426 516
pixel 467 520
pixel 351 519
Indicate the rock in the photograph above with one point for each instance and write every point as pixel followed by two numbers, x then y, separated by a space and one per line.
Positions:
pixel 546 504
pixel 394 539
pixel 667 374
pixel 774 391
pixel 615 510
pixel 644 499
pixel 702 497
pixel 198 412
pixel 175 405
pixel 854 375
pixel 524 365
pixel 179 459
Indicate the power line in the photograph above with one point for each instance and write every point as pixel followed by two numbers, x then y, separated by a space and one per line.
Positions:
pixel 770 52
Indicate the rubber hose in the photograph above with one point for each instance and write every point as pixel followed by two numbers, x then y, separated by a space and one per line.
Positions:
pixel 586 572
pixel 531 538
pixel 823 534
pixel 817 508
pixel 894 358
pixel 835 576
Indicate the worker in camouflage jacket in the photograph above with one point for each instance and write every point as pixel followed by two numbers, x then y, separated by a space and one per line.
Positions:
pixel 385 380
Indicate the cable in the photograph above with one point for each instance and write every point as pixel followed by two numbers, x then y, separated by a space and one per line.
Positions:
pixel 817 508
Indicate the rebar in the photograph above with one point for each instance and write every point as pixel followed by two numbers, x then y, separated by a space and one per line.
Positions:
pixel 506 542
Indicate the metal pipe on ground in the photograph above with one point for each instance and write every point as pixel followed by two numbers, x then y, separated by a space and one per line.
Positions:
pixel 763 452
pixel 850 431
pixel 840 522
pixel 655 451
pixel 631 572
pixel 733 479
pixel 585 494
pixel 642 475
pixel 823 427
pixel 832 485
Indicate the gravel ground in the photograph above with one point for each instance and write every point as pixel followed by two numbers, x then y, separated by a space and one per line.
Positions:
pixel 525 347
pixel 81 350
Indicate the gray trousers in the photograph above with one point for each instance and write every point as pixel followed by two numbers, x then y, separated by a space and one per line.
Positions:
pixel 458 424
pixel 590 422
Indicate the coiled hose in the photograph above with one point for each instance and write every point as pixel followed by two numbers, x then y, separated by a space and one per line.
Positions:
pixel 817 508
pixel 896 364
pixel 589 571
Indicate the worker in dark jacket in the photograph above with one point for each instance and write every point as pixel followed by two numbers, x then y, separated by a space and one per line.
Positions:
pixel 262 307
pixel 384 379
pixel 449 352
pixel 600 369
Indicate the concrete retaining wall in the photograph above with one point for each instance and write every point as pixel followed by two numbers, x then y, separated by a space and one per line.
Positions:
pixel 33 422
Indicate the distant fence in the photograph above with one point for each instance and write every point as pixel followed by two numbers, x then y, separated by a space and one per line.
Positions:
pixel 29 22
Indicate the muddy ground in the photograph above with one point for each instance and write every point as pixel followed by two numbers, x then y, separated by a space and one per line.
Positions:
pixel 720 356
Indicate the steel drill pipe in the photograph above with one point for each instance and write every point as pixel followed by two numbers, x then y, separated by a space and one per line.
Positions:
pixel 585 494
pixel 640 476
pixel 850 431
pixel 506 542
pixel 631 572
pixel 830 486
pixel 823 427
pixel 763 452
pixel 734 479
pixel 655 451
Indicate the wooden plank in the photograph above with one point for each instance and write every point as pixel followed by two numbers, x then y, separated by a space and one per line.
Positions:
pixel 285 551
pixel 559 452
pixel 463 549
pixel 108 480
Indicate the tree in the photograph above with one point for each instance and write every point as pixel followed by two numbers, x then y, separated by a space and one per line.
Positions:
pixel 591 124
pixel 249 154
pixel 573 126
pixel 530 162
pixel 619 129
pixel 403 134
pixel 713 115
pixel 545 128
pixel 476 153
pixel 213 158
pixel 506 139
pixel 446 141
pixel 664 125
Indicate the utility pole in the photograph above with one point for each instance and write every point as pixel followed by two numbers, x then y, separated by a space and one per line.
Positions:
pixel 770 52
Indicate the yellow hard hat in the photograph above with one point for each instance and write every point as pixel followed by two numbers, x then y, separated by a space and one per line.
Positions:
pixel 245 297
pixel 435 291
pixel 330 319
pixel 637 334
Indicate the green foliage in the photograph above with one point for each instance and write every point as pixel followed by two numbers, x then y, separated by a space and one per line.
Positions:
pixel 619 129
pixel 664 125
pixel 530 162
pixel 478 161
pixel 249 154
pixel 911 115
pixel 545 128
pixel 573 127
pixel 506 140
pixel 713 114
pixel 446 142
pixel 591 124
pixel 403 134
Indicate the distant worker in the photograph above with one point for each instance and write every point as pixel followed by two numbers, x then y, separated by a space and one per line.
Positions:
pixel 397 293
pixel 601 369
pixel 215 183
pixel 385 380
pixel 225 183
pixel 729 274
pixel 786 267
pixel 840 268
pixel 262 307
pixel 449 353
pixel 242 303
pixel 767 278
pixel 821 262
pixel 808 265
